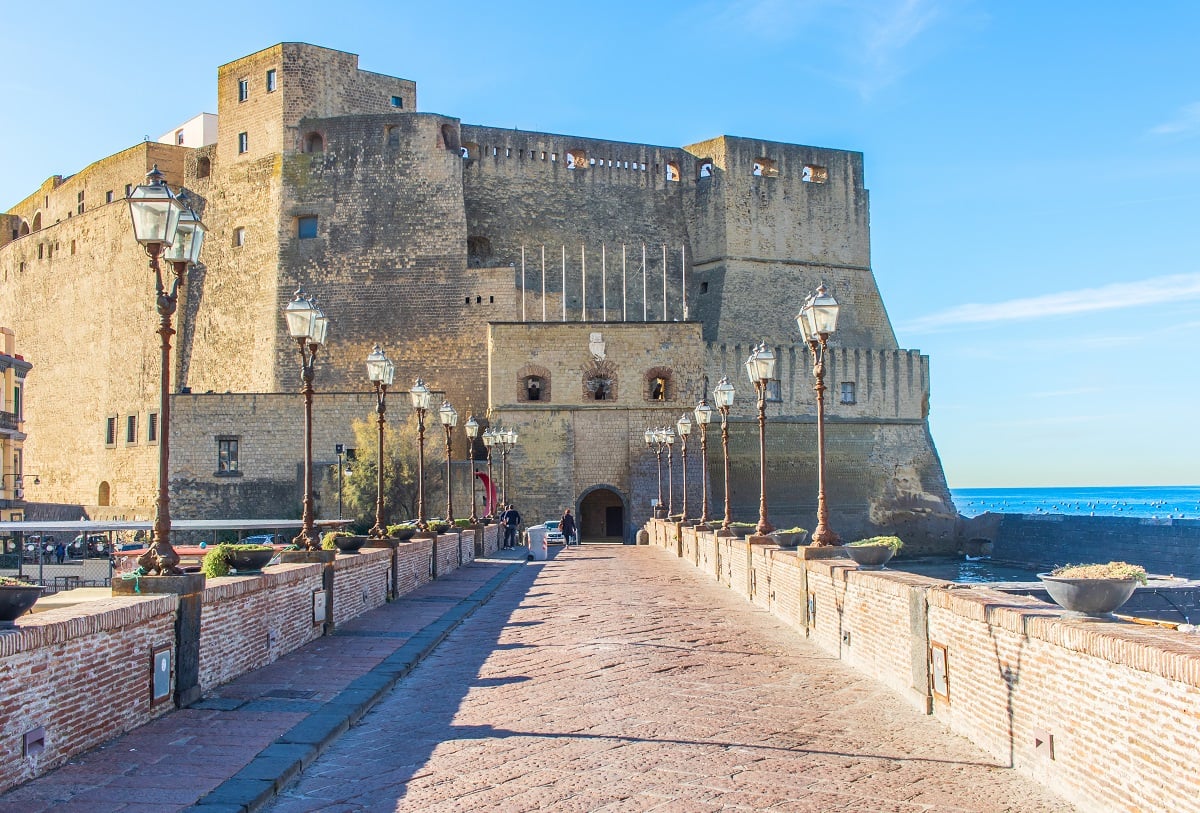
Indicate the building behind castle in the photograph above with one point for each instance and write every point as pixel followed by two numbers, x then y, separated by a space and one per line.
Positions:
pixel 503 267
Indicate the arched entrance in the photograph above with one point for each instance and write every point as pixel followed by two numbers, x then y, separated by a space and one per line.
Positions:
pixel 603 514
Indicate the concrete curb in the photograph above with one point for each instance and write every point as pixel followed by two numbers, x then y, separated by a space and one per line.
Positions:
pixel 279 763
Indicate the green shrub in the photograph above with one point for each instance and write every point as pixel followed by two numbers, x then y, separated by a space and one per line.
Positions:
pixel 796 530
pixel 217 561
pixel 438 526
pixel 327 538
pixel 462 522
pixel 9 581
pixel 892 542
pixel 1112 570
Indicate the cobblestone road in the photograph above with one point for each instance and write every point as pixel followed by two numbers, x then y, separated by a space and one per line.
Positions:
pixel 617 679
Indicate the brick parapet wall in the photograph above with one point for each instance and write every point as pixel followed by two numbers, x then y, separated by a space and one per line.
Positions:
pixel 82 676
pixel 360 582
pixel 1120 703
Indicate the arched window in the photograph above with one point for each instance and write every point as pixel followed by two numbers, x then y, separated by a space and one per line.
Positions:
pixel 600 381
pixel 479 251
pixel 814 174
pixel 24 228
pixel 659 385
pixel 448 137
pixel 533 383
pixel 203 167
pixel 469 151
pixel 37 222
pixel 672 171
pixel 314 142
pixel 103 496
pixel 577 159
pixel 706 169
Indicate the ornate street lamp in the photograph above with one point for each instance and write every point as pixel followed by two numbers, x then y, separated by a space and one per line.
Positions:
pixel 760 368
pixel 654 444
pixel 167 228
pixel 667 435
pixel 306 324
pixel 703 413
pixel 723 395
pixel 506 439
pixel 380 372
pixel 817 320
pixel 449 419
pixel 489 440
pixel 471 427
pixel 420 400
pixel 684 427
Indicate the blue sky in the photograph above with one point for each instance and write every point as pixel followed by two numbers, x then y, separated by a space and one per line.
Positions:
pixel 1034 167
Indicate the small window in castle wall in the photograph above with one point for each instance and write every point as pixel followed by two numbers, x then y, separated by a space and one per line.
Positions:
pixel 658 388
pixel 704 287
pixel 272 80
pixel 391 136
pixel 306 227
pixel 672 171
pixel 227 456
pixel 397 101
pixel 576 159
pixel 470 151
pixel 554 156
pixel 314 142
pixel 848 394
pixel 239 236
pixel 765 168
pixel 706 169
pixel 108 196
pixel 131 430
pixel 774 391
pixel 203 167
pixel 72 246
pixel 814 174
pixel 243 143
pixel 152 427
pixel 41 251
pixel 128 189
pixel 243 89
pixel 508 152
pixel 110 431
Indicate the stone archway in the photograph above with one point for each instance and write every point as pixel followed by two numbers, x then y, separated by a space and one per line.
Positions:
pixel 603 513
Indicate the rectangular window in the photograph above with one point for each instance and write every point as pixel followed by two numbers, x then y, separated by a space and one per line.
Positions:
pixel 306 227
pixel 239 236
pixel 108 196
pixel 243 143
pixel 131 429
pixel 110 431
pixel 393 136
pixel 271 80
pixel 773 390
pixel 152 428
pixel 397 101
pixel 848 392
pixel 17 409
pixel 243 89
pixel 128 189
pixel 179 137
pixel 227 455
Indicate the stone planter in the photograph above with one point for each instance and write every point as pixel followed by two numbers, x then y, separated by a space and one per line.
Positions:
pixel 15 601
pixel 249 562
pixel 870 557
pixel 349 544
pixel 1088 598
pixel 785 540
pixel 404 534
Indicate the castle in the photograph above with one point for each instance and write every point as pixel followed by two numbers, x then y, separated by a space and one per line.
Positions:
pixel 503 267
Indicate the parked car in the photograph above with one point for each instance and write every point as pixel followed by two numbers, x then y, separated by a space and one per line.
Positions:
pixel 88 546
pixel 554 535
pixel 35 541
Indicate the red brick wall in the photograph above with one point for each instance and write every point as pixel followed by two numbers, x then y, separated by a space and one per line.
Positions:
pixel 360 582
pixel 82 673
pixel 1120 702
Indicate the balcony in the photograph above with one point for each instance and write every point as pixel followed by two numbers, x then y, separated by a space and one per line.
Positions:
pixel 8 421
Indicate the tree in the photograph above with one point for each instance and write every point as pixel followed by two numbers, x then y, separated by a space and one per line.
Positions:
pixel 399 469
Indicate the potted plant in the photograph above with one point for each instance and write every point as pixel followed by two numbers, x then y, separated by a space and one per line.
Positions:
pixel 743 528
pixel 1093 590
pixel 16 597
pixel 402 530
pixel 438 526
pixel 873 553
pixel 789 537
pixel 344 541
pixel 242 559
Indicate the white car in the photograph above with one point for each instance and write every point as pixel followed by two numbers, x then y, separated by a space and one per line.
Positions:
pixel 553 535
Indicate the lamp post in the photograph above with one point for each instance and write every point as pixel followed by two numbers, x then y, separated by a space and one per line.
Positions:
pixel 471 427
pixel 420 400
pixel 449 419
pixel 684 427
pixel 653 444
pixel 723 395
pixel 380 372
pixel 489 439
pixel 308 325
pixel 339 449
pixel 703 413
pixel 760 368
pixel 506 439
pixel 668 437
pixel 816 320
pixel 167 229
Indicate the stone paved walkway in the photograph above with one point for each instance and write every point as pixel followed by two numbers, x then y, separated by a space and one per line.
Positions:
pixel 616 678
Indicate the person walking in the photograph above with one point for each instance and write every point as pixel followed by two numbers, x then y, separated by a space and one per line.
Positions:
pixel 512 521
pixel 567 526
pixel 60 552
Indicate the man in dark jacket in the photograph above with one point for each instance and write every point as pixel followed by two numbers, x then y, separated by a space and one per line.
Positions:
pixel 511 521
pixel 567 526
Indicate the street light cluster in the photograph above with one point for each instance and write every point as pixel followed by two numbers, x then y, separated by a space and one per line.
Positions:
pixel 168 229
pixel 502 439
pixel 308 325
pixel 817 320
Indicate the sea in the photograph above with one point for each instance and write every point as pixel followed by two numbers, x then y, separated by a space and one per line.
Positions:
pixel 1157 502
